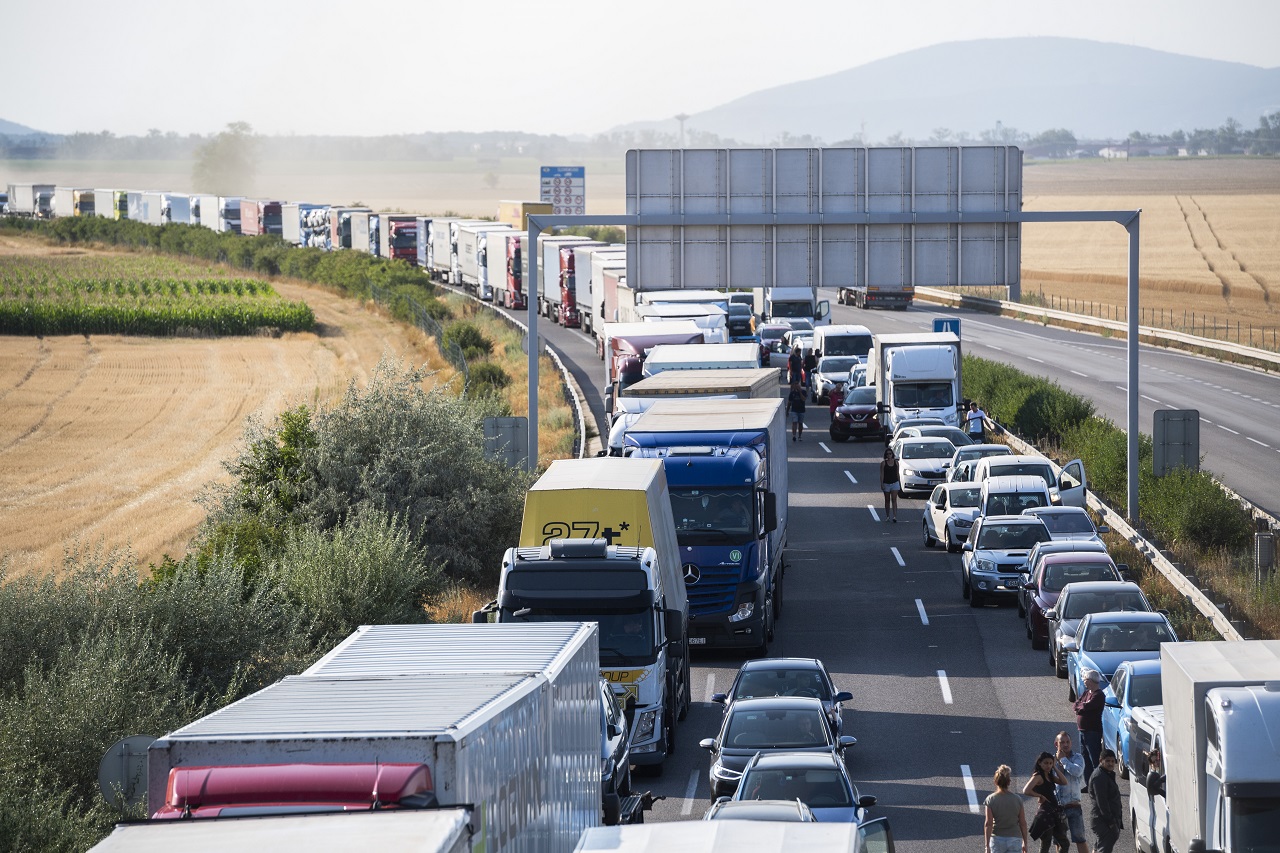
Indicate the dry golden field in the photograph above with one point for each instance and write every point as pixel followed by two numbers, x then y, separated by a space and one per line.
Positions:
pixel 106 441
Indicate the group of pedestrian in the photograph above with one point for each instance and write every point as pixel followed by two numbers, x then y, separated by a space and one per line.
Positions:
pixel 1056 785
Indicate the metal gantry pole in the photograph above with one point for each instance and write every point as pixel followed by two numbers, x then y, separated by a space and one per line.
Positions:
pixel 1132 426
pixel 532 305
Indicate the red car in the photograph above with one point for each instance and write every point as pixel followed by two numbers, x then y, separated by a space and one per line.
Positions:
pixel 858 416
pixel 1054 572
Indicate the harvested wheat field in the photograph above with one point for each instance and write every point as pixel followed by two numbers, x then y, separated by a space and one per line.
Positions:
pixel 1210 237
pixel 106 441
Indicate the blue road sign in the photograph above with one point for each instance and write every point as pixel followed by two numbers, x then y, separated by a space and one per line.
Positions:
pixel 947 324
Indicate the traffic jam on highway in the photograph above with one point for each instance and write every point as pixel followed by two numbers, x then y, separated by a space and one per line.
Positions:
pixel 648 573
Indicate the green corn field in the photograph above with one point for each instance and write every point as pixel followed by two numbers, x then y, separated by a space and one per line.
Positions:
pixel 137 295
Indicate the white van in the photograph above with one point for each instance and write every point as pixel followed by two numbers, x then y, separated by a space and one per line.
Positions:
pixel 1148 810
pixel 1010 495
pixel 843 340
pixel 1067 488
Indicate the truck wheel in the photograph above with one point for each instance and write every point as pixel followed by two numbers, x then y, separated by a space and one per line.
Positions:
pixel 670 720
pixel 612 809
pixel 624 784
pixel 687 699
pixel 777 597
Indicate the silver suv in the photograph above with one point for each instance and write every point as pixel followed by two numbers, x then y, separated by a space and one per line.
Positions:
pixel 994 556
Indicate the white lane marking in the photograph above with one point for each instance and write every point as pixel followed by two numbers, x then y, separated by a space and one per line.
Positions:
pixel 1255 441
pixel 1078 373
pixel 692 791
pixel 1036 360
pixel 971 791
pixel 994 347
pixel 946 686
pixel 852 479
pixel 711 685
pixel 924 618
pixel 1206 420
pixel 1152 399
pixel 1228 429
pixel 897 556
pixel 875 516
pixel 823 445
pixel 1121 388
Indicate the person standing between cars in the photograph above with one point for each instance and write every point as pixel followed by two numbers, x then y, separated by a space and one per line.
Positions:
pixel 975 421
pixel 1071 765
pixel 810 365
pixel 795 366
pixel 835 398
pixel 795 407
pixel 889 484
pixel 1106 813
pixel 1005 829
pixel 1048 824
pixel 1088 710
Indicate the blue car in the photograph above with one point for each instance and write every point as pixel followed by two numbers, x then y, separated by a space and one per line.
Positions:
pixel 1105 640
pixel 1136 684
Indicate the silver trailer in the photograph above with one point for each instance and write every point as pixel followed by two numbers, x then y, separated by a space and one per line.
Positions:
pixel 549 272
pixel 423 237
pixel 587 294
pixel 340 226
pixel 31 200
pixel 455 272
pixel 364 232
pixel 176 207
pixel 498 715
pixel 133 205
pixel 110 204
pixel 473 269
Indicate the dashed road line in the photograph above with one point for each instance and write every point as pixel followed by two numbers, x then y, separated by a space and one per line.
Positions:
pixel 1255 441
pixel 924 617
pixel 898 556
pixel 1036 360
pixel 691 791
pixel 1078 373
pixel 1228 429
pixel 823 445
pixel 852 479
pixel 711 684
pixel 945 685
pixel 1152 399
pixel 969 789
pixel 875 516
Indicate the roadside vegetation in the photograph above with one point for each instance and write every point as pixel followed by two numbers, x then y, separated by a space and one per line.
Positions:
pixel 1185 513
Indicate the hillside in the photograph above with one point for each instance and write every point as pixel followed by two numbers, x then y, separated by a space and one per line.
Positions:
pixel 11 128
pixel 1097 90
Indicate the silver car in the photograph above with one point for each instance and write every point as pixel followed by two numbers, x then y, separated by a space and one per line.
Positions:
pixel 949 514
pixel 922 462
pixel 995 554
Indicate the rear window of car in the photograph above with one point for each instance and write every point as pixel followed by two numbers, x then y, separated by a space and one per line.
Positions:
pixel 1082 604
pixel 1011 537
pixel 1066 522
pixel 1060 574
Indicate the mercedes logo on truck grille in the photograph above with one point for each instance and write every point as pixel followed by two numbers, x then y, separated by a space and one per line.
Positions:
pixel 691 573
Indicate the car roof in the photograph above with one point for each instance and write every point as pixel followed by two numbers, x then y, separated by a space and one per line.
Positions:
pixel 1143 667
pixel 1102 586
pixel 1120 616
pixel 1014 482
pixel 951 487
pixel 1066 546
pixel 922 439
pixel 781 663
pixel 1053 558
pixel 1056 510
pixel 1015 458
pixel 1011 519
pixel 806 760
pixel 778 703
pixel 774 809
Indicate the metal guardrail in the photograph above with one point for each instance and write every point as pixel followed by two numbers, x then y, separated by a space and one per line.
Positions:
pixel 1116 522
pixel 1147 334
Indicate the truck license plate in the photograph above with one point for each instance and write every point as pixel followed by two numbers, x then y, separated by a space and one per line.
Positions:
pixel 697 641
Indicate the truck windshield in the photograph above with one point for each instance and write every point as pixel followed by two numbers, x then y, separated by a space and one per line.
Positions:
pixel 791 309
pixel 1255 823
pixel 401 240
pixel 627 637
pixel 857 345
pixel 923 395
pixel 712 514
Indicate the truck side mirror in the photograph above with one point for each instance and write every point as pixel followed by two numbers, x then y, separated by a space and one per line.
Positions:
pixel 824 309
pixel 770 512
pixel 673 625
pixel 479 617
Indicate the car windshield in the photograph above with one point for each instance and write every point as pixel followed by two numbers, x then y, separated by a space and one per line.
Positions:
pixel 1010 537
pixel 1066 522
pixel 715 513
pixel 843 364
pixel 966 497
pixel 1144 690
pixel 1031 469
pixel 1133 637
pixel 755 684
pixel 1059 575
pixel 1082 604
pixel 931 450
pixel 923 395
pixel 799 728
pixel 816 788
pixel 863 396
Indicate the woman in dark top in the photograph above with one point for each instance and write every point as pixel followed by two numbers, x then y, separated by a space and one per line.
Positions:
pixel 1049 815
pixel 889 484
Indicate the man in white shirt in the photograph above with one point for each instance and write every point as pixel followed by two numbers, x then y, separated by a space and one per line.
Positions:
pixel 1071 766
pixel 975 421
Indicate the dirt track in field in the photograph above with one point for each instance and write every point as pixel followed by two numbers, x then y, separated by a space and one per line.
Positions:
pixel 106 441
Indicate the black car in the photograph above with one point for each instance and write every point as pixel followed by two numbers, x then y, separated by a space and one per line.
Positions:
pixel 765 677
pixel 751 726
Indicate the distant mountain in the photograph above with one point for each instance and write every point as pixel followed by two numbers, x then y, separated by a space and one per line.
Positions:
pixel 1096 90
pixel 10 128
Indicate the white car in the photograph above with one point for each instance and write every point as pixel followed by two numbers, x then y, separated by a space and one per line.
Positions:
pixel 832 370
pixel 949 514
pixel 974 452
pixel 961 472
pixel 922 462
pixel 898 432
pixel 1068 523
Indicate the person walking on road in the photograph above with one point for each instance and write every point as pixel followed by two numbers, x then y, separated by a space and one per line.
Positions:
pixel 890 484
pixel 1071 765
pixel 1005 829
pixel 795 408
pixel 975 421
pixel 795 366
pixel 1088 710
pixel 1106 813
pixel 1048 824
pixel 810 365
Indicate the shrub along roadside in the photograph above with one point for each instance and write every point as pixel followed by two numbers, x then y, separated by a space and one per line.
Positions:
pixel 1185 512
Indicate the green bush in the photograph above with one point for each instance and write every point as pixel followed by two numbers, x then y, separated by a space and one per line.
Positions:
pixel 486 378
pixel 468 338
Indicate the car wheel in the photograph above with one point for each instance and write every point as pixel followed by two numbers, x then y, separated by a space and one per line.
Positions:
pixel 1053 660
pixel 1123 769
pixel 1036 642
pixel 1026 622
pixel 1071 690
pixel 964 586
pixel 1060 666
pixel 929 541
pixel 1022 612
pixel 953 547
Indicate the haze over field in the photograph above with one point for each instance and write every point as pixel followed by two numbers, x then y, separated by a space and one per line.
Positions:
pixel 327 67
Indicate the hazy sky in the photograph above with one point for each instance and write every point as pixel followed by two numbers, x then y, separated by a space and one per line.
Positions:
pixel 369 67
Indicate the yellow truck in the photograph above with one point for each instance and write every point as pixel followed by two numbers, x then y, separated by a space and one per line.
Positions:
pixel 598 544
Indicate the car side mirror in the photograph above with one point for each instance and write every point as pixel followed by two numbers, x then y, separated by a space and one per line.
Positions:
pixel 615 730
pixel 843 696
pixel 846 741
pixel 707 743
pixel 770 512
pixel 1051 613
pixel 968 546
pixel 1070 646
pixel 673 624
pixel 866 801
pixel 1112 702
pixel 1029 586
pixel 1102 528
pixel 719 698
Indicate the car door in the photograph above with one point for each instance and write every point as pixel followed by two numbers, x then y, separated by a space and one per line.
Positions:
pixel 874 836
pixel 1073 484
pixel 938 513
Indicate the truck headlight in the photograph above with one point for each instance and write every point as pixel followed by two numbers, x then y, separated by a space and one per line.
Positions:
pixel 744 611
pixel 644 724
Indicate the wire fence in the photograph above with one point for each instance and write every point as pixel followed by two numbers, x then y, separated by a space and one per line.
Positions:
pixel 406 306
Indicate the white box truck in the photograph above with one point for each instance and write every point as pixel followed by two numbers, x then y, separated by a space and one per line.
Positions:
pixel 371 724
pixel 739 836
pixel 505 260
pixel 587 292
pixel 916 376
pixel 449 830
pixel 549 293
pixel 664 357
pixel 473 262
pixel 1222 744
